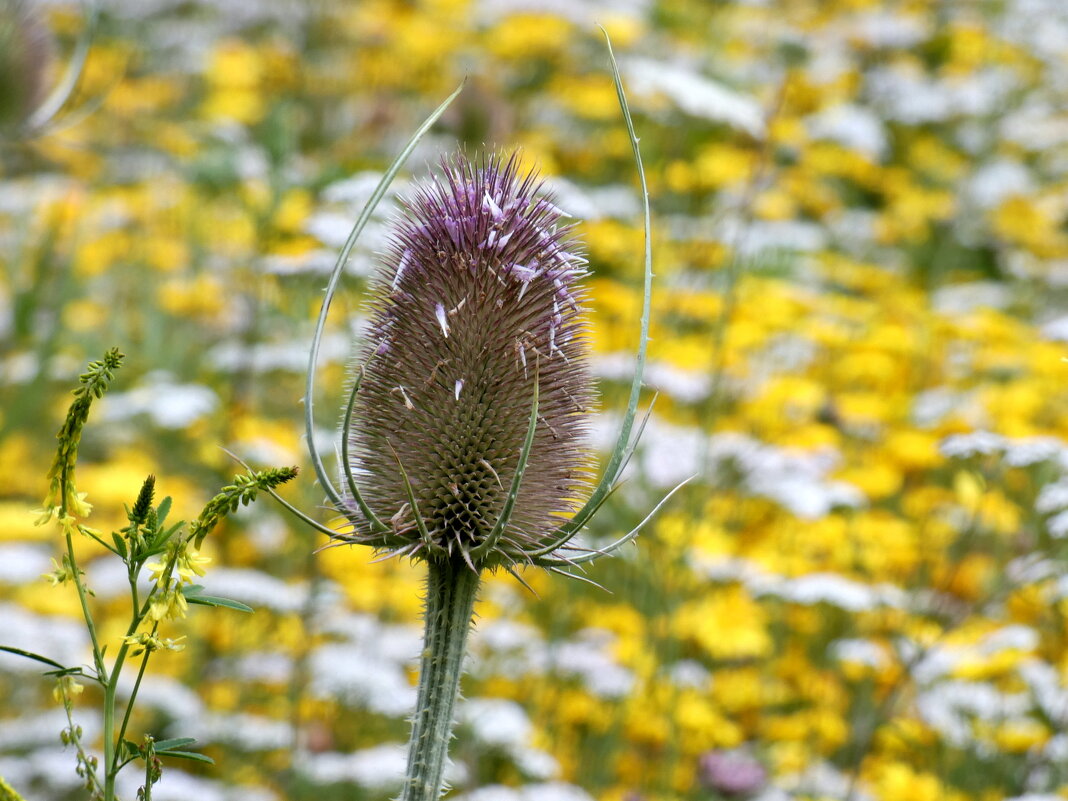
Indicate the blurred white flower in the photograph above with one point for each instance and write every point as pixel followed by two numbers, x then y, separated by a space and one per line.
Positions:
pixel 255 588
pixel 830 588
pixel 852 126
pixel 243 731
pixel 61 638
pixel 169 404
pixel 996 181
pixel 379 768
pixel 176 785
pixel 695 94
pixel 550 791
pixel 21 562
pixel 975 443
pixel 863 652
pixel 589 656
pixel 358 675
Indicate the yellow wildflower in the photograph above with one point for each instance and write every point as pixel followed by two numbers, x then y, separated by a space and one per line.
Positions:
pixel 1021 736
pixel 190 563
pixel 66 686
pixel 726 625
pixel 157 571
pixel 60 575
pixel 146 641
pixel 168 605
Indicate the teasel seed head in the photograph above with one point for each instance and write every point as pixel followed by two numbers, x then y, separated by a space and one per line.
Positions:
pixel 25 56
pixel 477 339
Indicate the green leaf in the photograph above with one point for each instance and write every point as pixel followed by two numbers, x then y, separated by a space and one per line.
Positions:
pixel 131 748
pixel 163 510
pixel 150 551
pixel 187 755
pixel 161 537
pixel 31 655
pixel 91 535
pixel 174 742
pixel 211 600
pixel 193 595
pixel 346 462
pixel 73 671
pixel 612 470
pixel 120 545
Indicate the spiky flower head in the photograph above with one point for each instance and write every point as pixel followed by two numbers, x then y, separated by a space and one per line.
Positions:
pixel 477 321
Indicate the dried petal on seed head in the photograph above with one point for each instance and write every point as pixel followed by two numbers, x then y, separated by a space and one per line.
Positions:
pixel 443 321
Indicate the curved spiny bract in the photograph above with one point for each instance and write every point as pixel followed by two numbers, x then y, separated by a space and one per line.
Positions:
pixel 478 298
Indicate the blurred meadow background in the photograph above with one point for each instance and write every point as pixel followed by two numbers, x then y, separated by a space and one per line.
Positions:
pixel 860 326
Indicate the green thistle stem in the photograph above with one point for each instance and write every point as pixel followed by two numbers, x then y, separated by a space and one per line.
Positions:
pixel 450 600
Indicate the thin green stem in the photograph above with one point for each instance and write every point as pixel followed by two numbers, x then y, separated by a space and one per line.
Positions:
pixel 133 697
pixel 98 657
pixel 450 600
pixel 134 594
pixel 109 740
pixel 148 779
pixel 111 759
pixel 76 739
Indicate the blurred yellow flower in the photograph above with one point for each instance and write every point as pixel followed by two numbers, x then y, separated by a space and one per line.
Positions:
pixel 727 624
pixel 234 74
pixel 203 296
pixel 1023 221
pixel 912 449
pixel 897 781
pixel 590 97
pixel 876 478
pixel 524 37
pixel 1018 737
